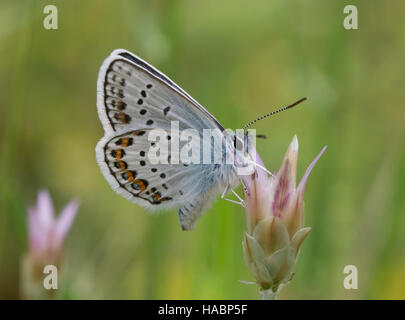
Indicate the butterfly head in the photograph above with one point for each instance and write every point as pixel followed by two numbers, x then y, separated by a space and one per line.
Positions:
pixel 243 146
pixel 243 142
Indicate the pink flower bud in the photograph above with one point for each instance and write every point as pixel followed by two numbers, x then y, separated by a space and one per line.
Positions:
pixel 275 219
pixel 46 233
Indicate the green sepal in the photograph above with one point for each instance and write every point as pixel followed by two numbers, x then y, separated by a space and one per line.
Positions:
pixel 254 258
pixel 280 264
pixel 271 234
pixel 299 238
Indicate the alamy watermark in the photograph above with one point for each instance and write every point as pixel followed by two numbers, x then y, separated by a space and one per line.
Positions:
pixel 351 21
pixel 51 279
pixel 51 19
pixel 350 282
pixel 211 146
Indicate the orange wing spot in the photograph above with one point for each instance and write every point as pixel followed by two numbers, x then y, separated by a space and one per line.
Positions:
pixel 140 184
pixel 118 154
pixel 126 142
pixel 130 175
pixel 157 196
pixel 122 117
pixel 122 165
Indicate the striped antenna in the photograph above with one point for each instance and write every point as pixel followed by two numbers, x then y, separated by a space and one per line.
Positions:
pixel 274 112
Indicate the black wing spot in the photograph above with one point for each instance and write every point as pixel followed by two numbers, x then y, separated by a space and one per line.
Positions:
pixel 149 122
pixel 153 169
pixel 122 117
pixel 142 112
pixel 127 118
pixel 149 86
pixel 143 93
pixel 139 133
pixel 162 175
pixel 142 163
pixel 120 105
pixel 140 101
pixel 166 110
pixel 142 153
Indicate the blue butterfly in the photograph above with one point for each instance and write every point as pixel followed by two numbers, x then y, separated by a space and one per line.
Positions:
pixel 133 99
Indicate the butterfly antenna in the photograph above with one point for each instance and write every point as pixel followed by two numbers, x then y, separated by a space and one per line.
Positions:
pixel 274 112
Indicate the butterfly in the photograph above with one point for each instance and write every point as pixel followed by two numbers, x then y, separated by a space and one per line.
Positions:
pixel 133 99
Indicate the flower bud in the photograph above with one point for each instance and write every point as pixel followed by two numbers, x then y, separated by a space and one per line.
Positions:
pixel 46 235
pixel 275 216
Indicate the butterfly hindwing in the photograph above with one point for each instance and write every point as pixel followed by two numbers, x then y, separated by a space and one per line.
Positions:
pixel 127 165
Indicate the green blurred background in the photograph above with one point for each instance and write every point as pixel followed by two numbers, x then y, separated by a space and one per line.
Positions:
pixel 240 60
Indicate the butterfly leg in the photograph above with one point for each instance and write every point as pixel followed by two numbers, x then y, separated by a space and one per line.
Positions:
pixel 239 198
pixel 241 202
pixel 245 189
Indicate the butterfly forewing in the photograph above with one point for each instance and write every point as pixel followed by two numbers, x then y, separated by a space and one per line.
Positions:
pixel 132 97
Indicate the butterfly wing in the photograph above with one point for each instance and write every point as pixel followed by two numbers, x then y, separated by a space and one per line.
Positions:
pixel 129 169
pixel 133 99
pixel 133 94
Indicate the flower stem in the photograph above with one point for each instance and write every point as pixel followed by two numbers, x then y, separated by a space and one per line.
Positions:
pixel 268 294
